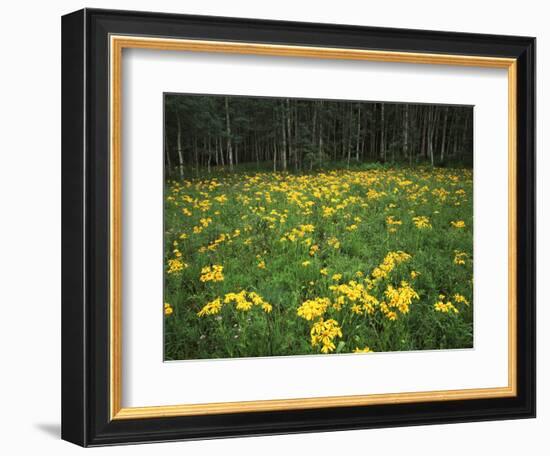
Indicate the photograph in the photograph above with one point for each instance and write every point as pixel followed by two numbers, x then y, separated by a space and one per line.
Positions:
pixel 309 226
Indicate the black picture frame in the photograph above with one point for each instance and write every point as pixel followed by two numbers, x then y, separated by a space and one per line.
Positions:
pixel 85 225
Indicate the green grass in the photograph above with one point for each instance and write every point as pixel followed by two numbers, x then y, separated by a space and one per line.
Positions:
pixel 253 211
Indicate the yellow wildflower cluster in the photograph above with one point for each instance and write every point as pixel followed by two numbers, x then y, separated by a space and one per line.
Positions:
pixel 422 222
pixel 216 243
pixel 460 257
pixel 328 211
pixel 323 333
pixel 203 223
pixel 372 194
pixel 168 309
pixel 313 308
pixel 259 301
pixel 391 260
pixel 203 205
pixel 313 249
pixel 175 265
pixel 244 301
pixel 458 224
pixel 298 233
pixel 357 295
pixel 334 243
pixel 212 273
pixel 244 304
pixel 447 307
pixel 400 298
pixel 460 299
pixel 441 194
pixel 212 308
pixel 390 220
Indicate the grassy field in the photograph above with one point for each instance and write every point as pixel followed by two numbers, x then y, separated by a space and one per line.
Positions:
pixel 341 261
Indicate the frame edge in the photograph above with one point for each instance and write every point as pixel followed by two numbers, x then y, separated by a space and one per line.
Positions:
pixel 83 415
pixel 73 302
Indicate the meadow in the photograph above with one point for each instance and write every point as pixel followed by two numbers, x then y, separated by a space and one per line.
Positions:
pixel 351 260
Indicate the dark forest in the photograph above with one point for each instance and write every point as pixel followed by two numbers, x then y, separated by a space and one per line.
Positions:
pixel 286 134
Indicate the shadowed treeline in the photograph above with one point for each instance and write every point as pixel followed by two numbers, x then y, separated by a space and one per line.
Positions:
pixel 285 134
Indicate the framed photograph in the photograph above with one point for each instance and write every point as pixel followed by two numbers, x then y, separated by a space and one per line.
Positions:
pixel 279 227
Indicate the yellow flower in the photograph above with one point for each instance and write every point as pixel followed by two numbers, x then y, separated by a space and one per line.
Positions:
pixel 168 310
pixel 339 302
pixel 401 297
pixel 240 299
pixel 212 308
pixel 212 274
pixel 373 194
pixel 336 277
pixel 362 350
pixel 391 260
pixel 422 222
pixel 460 299
pixel 357 309
pixel 261 264
pixel 460 257
pixel 313 308
pixel 390 220
pixel 458 224
pixel 324 271
pixel 323 333
pixel 306 263
pixel 205 222
pixel 447 307
pixel 175 265
pixel 257 300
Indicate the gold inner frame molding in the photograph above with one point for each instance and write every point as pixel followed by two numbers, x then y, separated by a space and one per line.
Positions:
pixel 116 46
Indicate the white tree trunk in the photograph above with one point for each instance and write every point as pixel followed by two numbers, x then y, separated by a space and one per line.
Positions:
pixel 443 139
pixel 358 133
pixel 283 152
pixel 180 152
pixel 382 134
pixel 406 135
pixel 228 128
